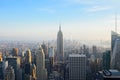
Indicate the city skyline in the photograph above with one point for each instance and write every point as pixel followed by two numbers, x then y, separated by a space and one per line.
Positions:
pixel 40 20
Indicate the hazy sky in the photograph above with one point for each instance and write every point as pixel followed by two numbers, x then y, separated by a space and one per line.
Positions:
pixel 40 19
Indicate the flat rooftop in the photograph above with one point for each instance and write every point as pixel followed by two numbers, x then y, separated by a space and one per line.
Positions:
pixel 77 55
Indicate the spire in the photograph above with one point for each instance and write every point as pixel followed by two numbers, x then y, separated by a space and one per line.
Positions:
pixel 116 22
pixel 59 27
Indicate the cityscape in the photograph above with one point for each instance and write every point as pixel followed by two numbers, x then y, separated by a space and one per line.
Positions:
pixel 59 40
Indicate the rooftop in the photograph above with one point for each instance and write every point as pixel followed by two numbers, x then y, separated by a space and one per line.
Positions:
pixel 77 55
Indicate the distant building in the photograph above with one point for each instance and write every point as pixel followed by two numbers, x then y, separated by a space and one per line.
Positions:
pixel 9 73
pixel 51 56
pixel 28 56
pixel 45 49
pixel 15 51
pixel 77 67
pixel 60 49
pixel 40 64
pixel 115 57
pixel 94 50
pixel 106 60
pixel 86 50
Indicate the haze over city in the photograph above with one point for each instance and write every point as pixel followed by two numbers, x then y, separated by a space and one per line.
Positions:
pixel 59 40
pixel 40 19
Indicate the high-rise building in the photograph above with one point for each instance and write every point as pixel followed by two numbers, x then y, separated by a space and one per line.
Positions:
pixel 47 66
pixel 33 72
pixel 29 68
pixel 94 50
pixel 45 49
pixel 15 51
pixel 114 36
pixel 115 58
pixel 77 67
pixel 0 56
pixel 9 73
pixel 106 60
pixel 40 64
pixel 28 56
pixel 1 71
pixel 51 55
pixel 60 49
pixel 15 63
pixel 3 66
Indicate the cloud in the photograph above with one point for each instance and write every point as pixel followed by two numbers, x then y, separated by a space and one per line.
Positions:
pixel 48 10
pixel 98 8
pixel 87 2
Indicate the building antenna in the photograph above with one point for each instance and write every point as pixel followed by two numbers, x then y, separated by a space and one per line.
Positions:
pixel 116 22
pixel 60 26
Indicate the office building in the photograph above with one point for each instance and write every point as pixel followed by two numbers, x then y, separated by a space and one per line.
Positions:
pixel 28 56
pixel 15 51
pixel 40 64
pixel 77 67
pixel 114 36
pixel 1 71
pixel 115 58
pixel 33 72
pixel 45 49
pixel 9 73
pixel 60 49
pixel 106 60
pixel 51 56
pixel 15 63
pixel 47 66
pixel 1 57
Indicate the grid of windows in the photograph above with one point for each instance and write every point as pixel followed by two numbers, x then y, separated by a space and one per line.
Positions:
pixel 77 67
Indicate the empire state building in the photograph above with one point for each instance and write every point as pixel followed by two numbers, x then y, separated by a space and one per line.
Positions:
pixel 60 51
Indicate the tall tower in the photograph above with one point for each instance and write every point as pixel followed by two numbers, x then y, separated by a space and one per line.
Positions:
pixel 114 37
pixel 115 58
pixel 60 51
pixel 40 65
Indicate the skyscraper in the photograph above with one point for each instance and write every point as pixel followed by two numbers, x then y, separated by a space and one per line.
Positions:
pixel 115 58
pixel 9 73
pixel 28 56
pixel 106 60
pixel 15 51
pixel 60 51
pixel 29 69
pixel 114 36
pixel 3 66
pixel 0 56
pixel 40 64
pixel 77 67
pixel 15 63
pixel 45 49
pixel 51 56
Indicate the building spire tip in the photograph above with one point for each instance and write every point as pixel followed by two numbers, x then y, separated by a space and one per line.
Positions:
pixel 60 27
